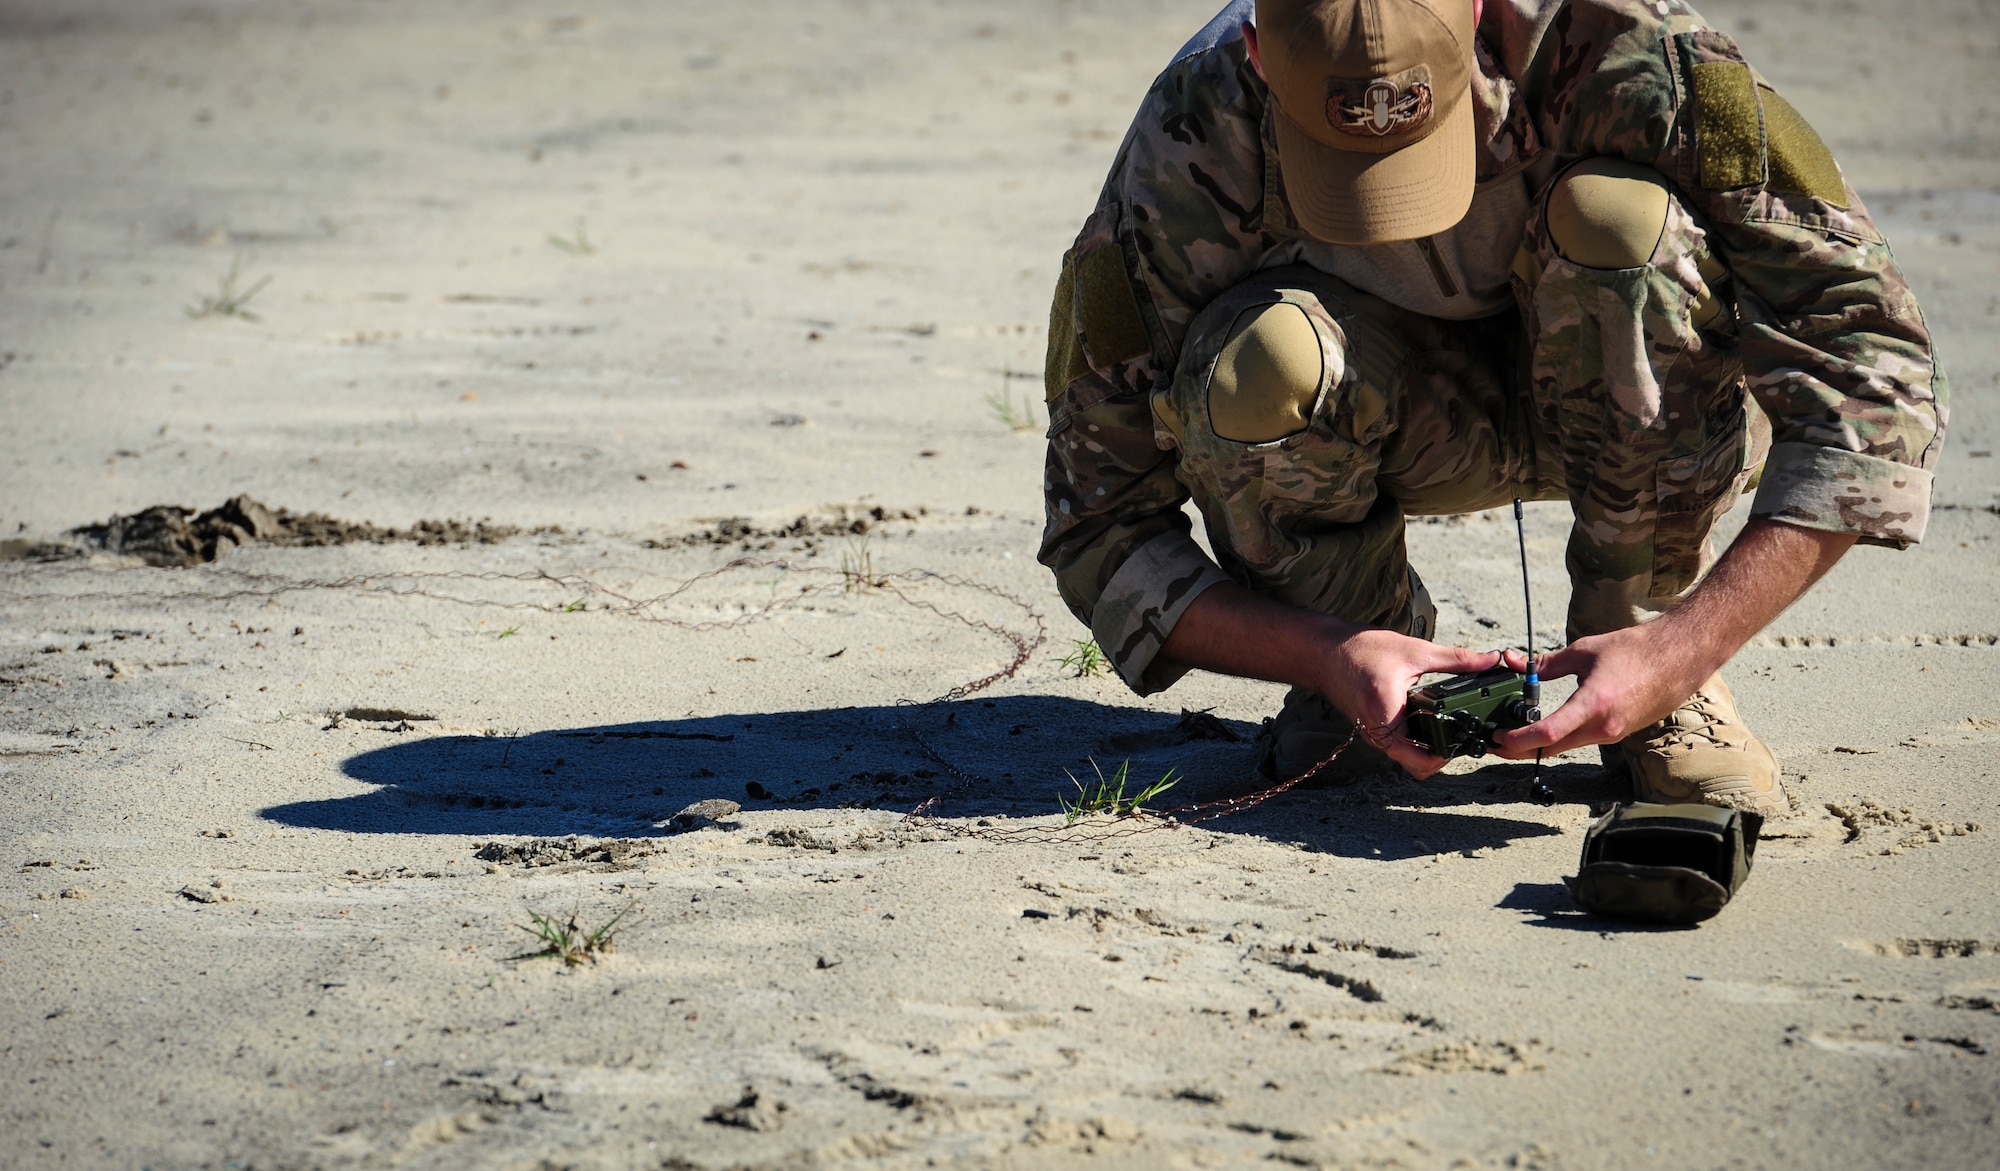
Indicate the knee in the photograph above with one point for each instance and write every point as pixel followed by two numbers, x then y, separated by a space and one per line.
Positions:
pixel 1608 213
pixel 1267 377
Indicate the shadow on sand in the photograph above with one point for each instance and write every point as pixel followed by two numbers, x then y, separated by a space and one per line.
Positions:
pixel 627 780
pixel 1553 907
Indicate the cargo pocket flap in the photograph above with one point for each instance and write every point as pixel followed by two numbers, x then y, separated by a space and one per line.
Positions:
pixel 1690 493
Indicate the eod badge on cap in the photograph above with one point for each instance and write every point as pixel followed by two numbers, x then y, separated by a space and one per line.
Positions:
pixel 1374 122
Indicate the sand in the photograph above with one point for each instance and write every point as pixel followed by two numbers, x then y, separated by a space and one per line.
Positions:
pixel 709 319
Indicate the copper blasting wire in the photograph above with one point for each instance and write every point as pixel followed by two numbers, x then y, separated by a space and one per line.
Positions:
pixel 220 585
pixel 1123 826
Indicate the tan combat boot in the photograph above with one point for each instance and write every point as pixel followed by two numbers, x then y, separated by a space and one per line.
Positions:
pixel 1702 752
pixel 1304 732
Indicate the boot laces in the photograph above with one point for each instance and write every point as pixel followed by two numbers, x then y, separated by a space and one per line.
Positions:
pixel 1694 721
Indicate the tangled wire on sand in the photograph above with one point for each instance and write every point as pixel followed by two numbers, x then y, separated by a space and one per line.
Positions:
pixel 72 581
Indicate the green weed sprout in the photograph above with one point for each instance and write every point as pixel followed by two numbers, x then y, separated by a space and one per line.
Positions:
pixel 228 300
pixel 1085 658
pixel 577 243
pixel 1017 418
pixel 857 567
pixel 1108 797
pixel 568 941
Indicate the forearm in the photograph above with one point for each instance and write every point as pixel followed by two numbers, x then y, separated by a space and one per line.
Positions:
pixel 1631 678
pixel 1231 631
pixel 1769 566
pixel 1364 672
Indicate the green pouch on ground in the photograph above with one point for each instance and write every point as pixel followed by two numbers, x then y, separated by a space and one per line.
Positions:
pixel 1665 863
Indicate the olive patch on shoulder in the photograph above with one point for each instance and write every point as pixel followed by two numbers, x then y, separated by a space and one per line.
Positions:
pixel 1800 163
pixel 1729 131
pixel 1113 331
pixel 1065 362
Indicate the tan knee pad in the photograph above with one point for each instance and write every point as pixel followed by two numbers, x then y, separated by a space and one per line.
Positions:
pixel 1267 377
pixel 1608 213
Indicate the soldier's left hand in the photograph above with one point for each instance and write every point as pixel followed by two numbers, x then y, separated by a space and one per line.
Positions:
pixel 1626 680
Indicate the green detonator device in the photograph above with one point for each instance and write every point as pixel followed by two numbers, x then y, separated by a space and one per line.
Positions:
pixel 1460 715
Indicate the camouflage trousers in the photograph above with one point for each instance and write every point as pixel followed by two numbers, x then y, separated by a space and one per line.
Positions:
pixel 1598 389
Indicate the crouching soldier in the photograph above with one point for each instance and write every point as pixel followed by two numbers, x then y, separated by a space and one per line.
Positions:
pixel 1358 260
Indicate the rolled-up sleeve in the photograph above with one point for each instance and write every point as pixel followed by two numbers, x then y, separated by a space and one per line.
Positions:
pixel 1879 500
pixel 1124 559
pixel 1838 355
pixel 1144 601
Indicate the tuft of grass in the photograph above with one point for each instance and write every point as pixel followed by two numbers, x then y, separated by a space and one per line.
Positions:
pixel 567 940
pixel 507 633
pixel 1107 796
pixel 228 300
pixel 857 567
pixel 577 243
pixel 1085 658
pixel 573 607
pixel 1017 418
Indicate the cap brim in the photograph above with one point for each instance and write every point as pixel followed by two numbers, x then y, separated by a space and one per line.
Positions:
pixel 1352 197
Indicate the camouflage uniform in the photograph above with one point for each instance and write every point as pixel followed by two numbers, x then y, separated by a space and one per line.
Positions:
pixel 1597 385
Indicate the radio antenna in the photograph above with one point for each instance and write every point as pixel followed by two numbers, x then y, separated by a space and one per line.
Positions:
pixel 1531 691
pixel 1534 693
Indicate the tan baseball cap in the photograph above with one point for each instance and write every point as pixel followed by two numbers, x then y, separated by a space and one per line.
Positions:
pixel 1375 126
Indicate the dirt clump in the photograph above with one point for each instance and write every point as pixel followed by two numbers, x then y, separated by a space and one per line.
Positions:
pixel 708 812
pixel 593 853
pixel 170 536
pixel 801 839
pixel 1192 726
pixel 750 1111
pixel 32 549
pixel 843 521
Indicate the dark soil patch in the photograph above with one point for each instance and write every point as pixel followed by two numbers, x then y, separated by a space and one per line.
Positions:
pixel 30 549
pixel 168 535
pixel 171 536
pixel 383 715
pixel 740 531
pixel 1190 727
pixel 610 853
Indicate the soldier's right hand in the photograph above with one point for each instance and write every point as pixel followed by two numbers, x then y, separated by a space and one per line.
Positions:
pixel 1368 676
pixel 1366 673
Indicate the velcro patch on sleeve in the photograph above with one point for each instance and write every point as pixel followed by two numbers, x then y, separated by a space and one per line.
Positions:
pixel 1065 362
pixel 1729 131
pixel 1800 162
pixel 1113 331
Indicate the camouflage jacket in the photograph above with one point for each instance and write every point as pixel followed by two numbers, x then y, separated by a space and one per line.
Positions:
pixel 1833 345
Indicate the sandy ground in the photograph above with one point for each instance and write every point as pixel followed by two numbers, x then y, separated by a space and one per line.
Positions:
pixel 615 274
